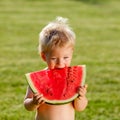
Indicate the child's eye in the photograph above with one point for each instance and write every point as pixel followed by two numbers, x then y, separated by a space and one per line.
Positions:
pixel 66 57
pixel 53 58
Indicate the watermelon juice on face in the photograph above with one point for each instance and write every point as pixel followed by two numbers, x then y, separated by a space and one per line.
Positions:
pixel 55 93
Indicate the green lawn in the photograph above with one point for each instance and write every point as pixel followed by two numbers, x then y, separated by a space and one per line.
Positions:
pixel 97 27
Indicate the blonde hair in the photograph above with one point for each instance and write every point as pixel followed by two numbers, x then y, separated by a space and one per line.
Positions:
pixel 56 34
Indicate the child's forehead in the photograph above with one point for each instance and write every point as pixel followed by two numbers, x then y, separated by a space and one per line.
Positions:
pixel 60 50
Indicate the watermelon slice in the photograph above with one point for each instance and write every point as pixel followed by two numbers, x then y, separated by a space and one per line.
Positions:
pixel 58 86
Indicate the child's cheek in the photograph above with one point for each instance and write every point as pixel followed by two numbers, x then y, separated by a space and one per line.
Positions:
pixel 51 66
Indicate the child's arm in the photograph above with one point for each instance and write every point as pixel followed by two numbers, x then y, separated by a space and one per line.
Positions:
pixel 32 101
pixel 81 102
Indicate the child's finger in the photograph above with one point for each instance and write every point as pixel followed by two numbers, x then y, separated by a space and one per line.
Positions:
pixel 82 91
pixel 41 101
pixel 86 86
pixel 37 98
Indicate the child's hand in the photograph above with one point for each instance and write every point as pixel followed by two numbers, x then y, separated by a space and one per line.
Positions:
pixel 81 102
pixel 38 99
pixel 82 90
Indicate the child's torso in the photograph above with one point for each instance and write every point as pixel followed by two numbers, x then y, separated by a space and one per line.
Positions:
pixel 55 112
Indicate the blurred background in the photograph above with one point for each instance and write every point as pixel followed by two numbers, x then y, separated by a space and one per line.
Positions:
pixel 97 27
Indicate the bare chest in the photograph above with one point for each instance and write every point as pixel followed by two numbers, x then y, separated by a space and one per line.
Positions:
pixel 55 112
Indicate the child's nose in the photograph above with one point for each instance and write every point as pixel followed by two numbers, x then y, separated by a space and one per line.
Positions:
pixel 60 63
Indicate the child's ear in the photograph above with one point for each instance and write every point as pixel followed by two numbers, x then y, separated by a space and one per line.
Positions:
pixel 43 56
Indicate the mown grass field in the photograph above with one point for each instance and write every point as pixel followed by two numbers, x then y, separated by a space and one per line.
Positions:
pixel 97 27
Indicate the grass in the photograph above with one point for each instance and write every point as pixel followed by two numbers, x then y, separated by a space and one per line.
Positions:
pixel 97 26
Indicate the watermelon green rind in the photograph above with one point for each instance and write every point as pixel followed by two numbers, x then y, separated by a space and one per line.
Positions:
pixel 57 101
pixel 30 83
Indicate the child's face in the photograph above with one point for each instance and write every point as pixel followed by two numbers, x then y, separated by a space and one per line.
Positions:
pixel 59 57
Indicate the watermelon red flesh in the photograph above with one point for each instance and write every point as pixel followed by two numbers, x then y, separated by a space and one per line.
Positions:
pixel 58 86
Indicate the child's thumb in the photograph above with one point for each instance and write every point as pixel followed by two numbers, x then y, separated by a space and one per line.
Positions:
pixel 86 86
